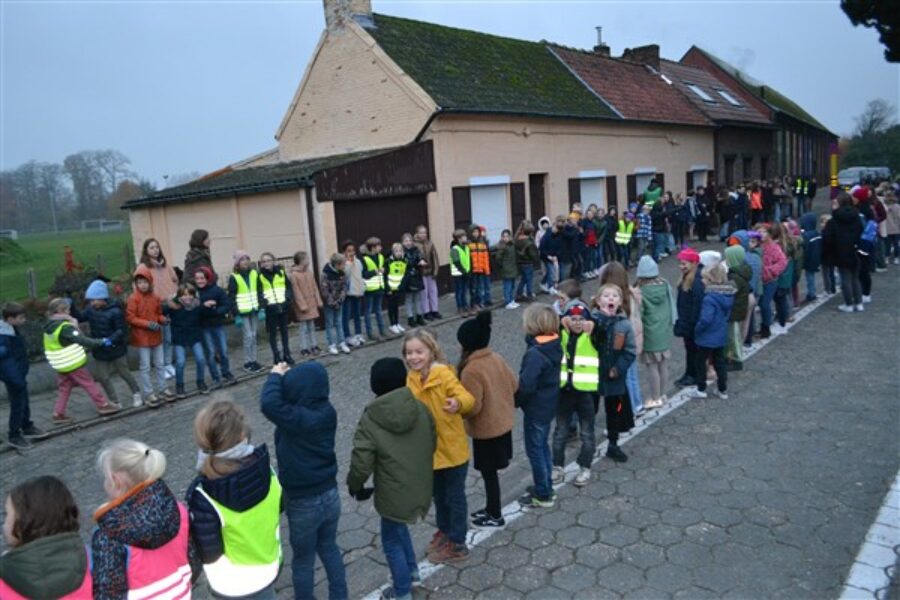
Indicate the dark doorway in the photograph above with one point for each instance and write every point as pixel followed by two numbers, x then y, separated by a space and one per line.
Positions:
pixel 385 218
pixel 536 196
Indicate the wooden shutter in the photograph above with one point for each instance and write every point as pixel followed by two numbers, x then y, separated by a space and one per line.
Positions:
pixel 462 207
pixel 631 189
pixel 574 191
pixel 516 204
pixel 536 196
pixel 661 180
pixel 612 192
pixel 688 182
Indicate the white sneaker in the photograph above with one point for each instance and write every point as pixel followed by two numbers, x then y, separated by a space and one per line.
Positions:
pixel 395 329
pixel 554 291
pixel 860 308
pixel 352 341
pixel 845 308
pixel 360 340
pixel 400 328
pixel 545 289
pixel 170 371
pixel 512 305
pixel 137 399
pixel 332 349
pixel 699 394
pixel 722 395
pixel 779 329
pixel 583 478
pixel 880 269
pixel 344 348
pixel 558 475
pixel 897 261
pixel 867 299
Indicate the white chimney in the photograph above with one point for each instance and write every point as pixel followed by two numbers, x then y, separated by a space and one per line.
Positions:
pixel 339 12
pixel 601 48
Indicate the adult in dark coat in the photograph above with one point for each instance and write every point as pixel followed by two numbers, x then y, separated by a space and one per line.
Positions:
pixel 840 238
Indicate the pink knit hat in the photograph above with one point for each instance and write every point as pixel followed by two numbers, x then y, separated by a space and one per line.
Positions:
pixel 238 255
pixel 689 255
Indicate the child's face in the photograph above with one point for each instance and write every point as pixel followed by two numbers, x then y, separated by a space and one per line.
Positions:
pixel 418 356
pixel 153 249
pixel 350 251
pixel 18 320
pixel 463 239
pixel 407 242
pixel 377 249
pixel 200 279
pixel 143 285
pixel 8 524
pixel 684 266
pixel 476 234
pixel 505 237
pixel 266 262
pixel 186 297
pixel 398 252
pixel 576 323
pixel 609 301
pixel 244 264
pixel 98 304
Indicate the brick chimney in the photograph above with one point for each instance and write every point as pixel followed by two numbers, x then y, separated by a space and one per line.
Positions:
pixel 339 12
pixel 601 48
pixel 646 55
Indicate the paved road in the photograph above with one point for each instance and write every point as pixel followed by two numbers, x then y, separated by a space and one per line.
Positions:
pixel 767 494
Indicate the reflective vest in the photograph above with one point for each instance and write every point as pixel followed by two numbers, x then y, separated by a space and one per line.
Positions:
pixel 63 359
pixel 376 281
pixel 464 256
pixel 251 546
pixel 623 232
pixel 801 187
pixel 396 272
pixel 163 572
pixel 585 371
pixel 246 299
pixel 274 291
pixel 84 592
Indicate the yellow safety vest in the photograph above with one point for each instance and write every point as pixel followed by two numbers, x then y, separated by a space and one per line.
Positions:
pixel 246 299
pixel 396 272
pixel 623 232
pixel 800 187
pixel 274 291
pixel 375 282
pixel 585 371
pixel 63 359
pixel 465 259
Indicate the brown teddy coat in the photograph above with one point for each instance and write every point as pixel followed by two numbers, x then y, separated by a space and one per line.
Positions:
pixel 307 300
pixel 493 384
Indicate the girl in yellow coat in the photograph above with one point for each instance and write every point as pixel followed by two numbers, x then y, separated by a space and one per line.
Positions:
pixel 434 383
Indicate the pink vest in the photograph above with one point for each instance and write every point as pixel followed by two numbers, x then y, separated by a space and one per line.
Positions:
pixel 84 592
pixel 163 572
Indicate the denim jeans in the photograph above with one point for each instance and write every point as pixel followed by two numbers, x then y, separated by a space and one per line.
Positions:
pixel 782 305
pixel 19 408
pixel 461 291
pixel 660 244
pixel 810 284
pixel 526 280
pixel 564 270
pixel 634 388
pixel 573 402
pixel 373 306
pixel 481 288
pixel 168 349
pixel 156 355
pixel 313 523
pixel 181 359
pixel 214 339
pixel 537 449
pixel 413 303
pixel 334 326
pixel 249 326
pixel 352 308
pixel 765 307
pixel 450 509
pixel 624 253
pixel 307 330
pixel 400 555
pixel 509 290
pixel 723 230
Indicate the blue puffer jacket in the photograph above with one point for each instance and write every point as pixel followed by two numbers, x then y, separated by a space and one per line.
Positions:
pixel 614 338
pixel 239 491
pixel 538 392
pixel 812 243
pixel 688 304
pixel 305 424
pixel 551 245
pixel 186 324
pixel 13 356
pixel 711 330
pixel 215 316
pixel 107 322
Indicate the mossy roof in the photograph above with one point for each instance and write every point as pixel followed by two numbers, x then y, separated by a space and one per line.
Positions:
pixel 468 71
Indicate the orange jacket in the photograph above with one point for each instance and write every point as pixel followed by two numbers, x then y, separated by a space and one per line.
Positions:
pixel 756 201
pixel 481 258
pixel 141 310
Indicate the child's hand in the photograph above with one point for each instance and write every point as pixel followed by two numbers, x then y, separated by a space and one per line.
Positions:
pixel 153 326
pixel 613 373
pixel 164 320
pixel 280 369
pixel 209 303
pixel 587 327
pixel 451 405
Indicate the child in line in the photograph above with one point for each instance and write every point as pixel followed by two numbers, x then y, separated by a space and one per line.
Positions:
pixel 624 233
pixel 527 259
pixel 644 234
pixel 550 250
pixel 214 304
pixel 537 396
pixel 617 352
pixel 185 315
pixel 354 296
pixel 144 314
pixel 579 386
pixel 395 278
pixel 373 275
pixel 812 253
pixel 480 278
pixel 165 284
pixel 296 401
pixel 275 296
pixel 460 269
pixel 711 331
pixel 827 260
pixel 13 373
pixel 509 268
pixel 107 320
pixel 658 315
pixel 614 272
pixel 688 303
pixel 429 266
pixel 46 557
pixel 493 385
pixel 243 289
pixel 235 505
pixel 415 284
pixel 740 275
pixel 307 302
pixel 141 543
pixel 333 288
pixel 64 348
pixel 394 441
pixel 774 263
pixel 435 385
pixel 783 297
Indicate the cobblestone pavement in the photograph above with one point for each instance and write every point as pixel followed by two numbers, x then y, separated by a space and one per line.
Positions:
pixel 768 494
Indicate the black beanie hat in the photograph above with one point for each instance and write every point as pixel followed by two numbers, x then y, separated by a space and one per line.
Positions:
pixel 475 334
pixel 388 374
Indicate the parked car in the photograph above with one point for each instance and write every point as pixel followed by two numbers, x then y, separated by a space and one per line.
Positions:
pixel 851 176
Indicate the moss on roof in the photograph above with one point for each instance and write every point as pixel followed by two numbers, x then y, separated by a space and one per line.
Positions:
pixel 470 71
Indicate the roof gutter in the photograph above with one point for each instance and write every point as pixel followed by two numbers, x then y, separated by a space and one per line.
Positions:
pixel 272 186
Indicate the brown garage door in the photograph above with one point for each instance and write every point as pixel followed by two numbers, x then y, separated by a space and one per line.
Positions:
pixel 386 218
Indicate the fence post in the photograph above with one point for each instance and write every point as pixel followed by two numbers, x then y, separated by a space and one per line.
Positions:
pixel 129 259
pixel 31 280
pixel 100 268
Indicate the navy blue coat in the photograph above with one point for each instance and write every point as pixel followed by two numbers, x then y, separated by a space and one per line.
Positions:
pixel 812 243
pixel 551 245
pixel 305 424
pixel 711 330
pixel 13 356
pixel 538 391
pixel 614 339
pixel 186 325
pixel 689 304
pixel 215 316
pixel 107 322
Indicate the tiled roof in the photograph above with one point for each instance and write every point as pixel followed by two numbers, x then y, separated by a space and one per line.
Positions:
pixel 229 181
pixel 469 71
pixel 633 89
pixel 767 94
pixel 720 109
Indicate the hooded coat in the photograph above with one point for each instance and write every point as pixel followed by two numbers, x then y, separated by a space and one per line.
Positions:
pixel 452 445
pixel 213 316
pixel 753 259
pixel 107 322
pixel 142 309
pixel 395 440
pixel 842 235
pixel 812 243
pixel 332 284
pixel 48 567
pixel 614 338
pixel 305 425
pixel 658 315
pixel 711 330
pixel 739 274
pixel 185 322
pixel 689 304
pixel 493 385
pixel 165 281
pixel 538 392
pixel 193 260
pixel 13 356
pixel 306 298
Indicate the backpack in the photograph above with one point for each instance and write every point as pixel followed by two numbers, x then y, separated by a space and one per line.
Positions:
pixel 866 243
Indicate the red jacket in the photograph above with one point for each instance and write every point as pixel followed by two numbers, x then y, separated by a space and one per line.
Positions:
pixel 141 310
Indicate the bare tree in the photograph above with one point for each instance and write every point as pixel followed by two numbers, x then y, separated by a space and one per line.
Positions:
pixel 114 166
pixel 878 117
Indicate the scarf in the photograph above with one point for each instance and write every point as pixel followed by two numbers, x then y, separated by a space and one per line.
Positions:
pixel 242 449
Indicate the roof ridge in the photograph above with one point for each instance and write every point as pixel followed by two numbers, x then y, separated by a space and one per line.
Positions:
pixel 440 26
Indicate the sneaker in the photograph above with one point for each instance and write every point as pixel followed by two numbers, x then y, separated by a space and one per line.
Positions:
pixel 401 328
pixel 779 329
pixel 897 261
pixel 558 475
pixel 215 385
pixel 33 433
pixel 344 348
pixel 615 453
pixel 332 349
pixel 722 395
pixel 437 315
pixel 290 359
pixel 152 401
pixel 653 403
pixel 137 399
pixel 170 371
pixel 859 308
pixel 488 521
pixel 867 299
pixel 230 380
pixel 62 419
pixel 167 395
pixel 304 353
pixel 544 288
pixel 412 320
pixel 449 553
pixel 19 442
pixel 512 305
pixel 109 408
pixel 388 593
pixel 258 368
pixel 248 367
pixel 315 350
pixel 583 478
pixel 880 269
pixel 529 499
pixel 428 317
pixel 845 308
pixel 685 381
pixel 179 392
pixel 479 513
pixel 393 329
pixel 437 540
pixel 699 394
pixel 353 341
pixel 415 577
pixel 420 321
pixel 201 387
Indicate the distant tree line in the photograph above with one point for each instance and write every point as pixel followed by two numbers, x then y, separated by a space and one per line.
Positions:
pixel 875 141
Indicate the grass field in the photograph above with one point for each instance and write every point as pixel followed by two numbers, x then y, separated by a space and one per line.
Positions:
pixel 46 257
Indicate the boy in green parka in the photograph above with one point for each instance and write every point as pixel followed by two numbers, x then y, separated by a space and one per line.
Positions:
pixel 505 255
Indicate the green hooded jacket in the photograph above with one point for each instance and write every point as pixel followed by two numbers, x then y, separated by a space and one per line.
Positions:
pixel 395 440
pixel 740 273
pixel 657 315
pixel 506 260
pixel 48 567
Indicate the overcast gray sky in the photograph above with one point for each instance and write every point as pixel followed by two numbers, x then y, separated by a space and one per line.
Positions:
pixel 193 86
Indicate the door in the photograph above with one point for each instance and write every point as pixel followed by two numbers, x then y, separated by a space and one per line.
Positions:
pixel 490 209
pixel 385 218
pixel 536 196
